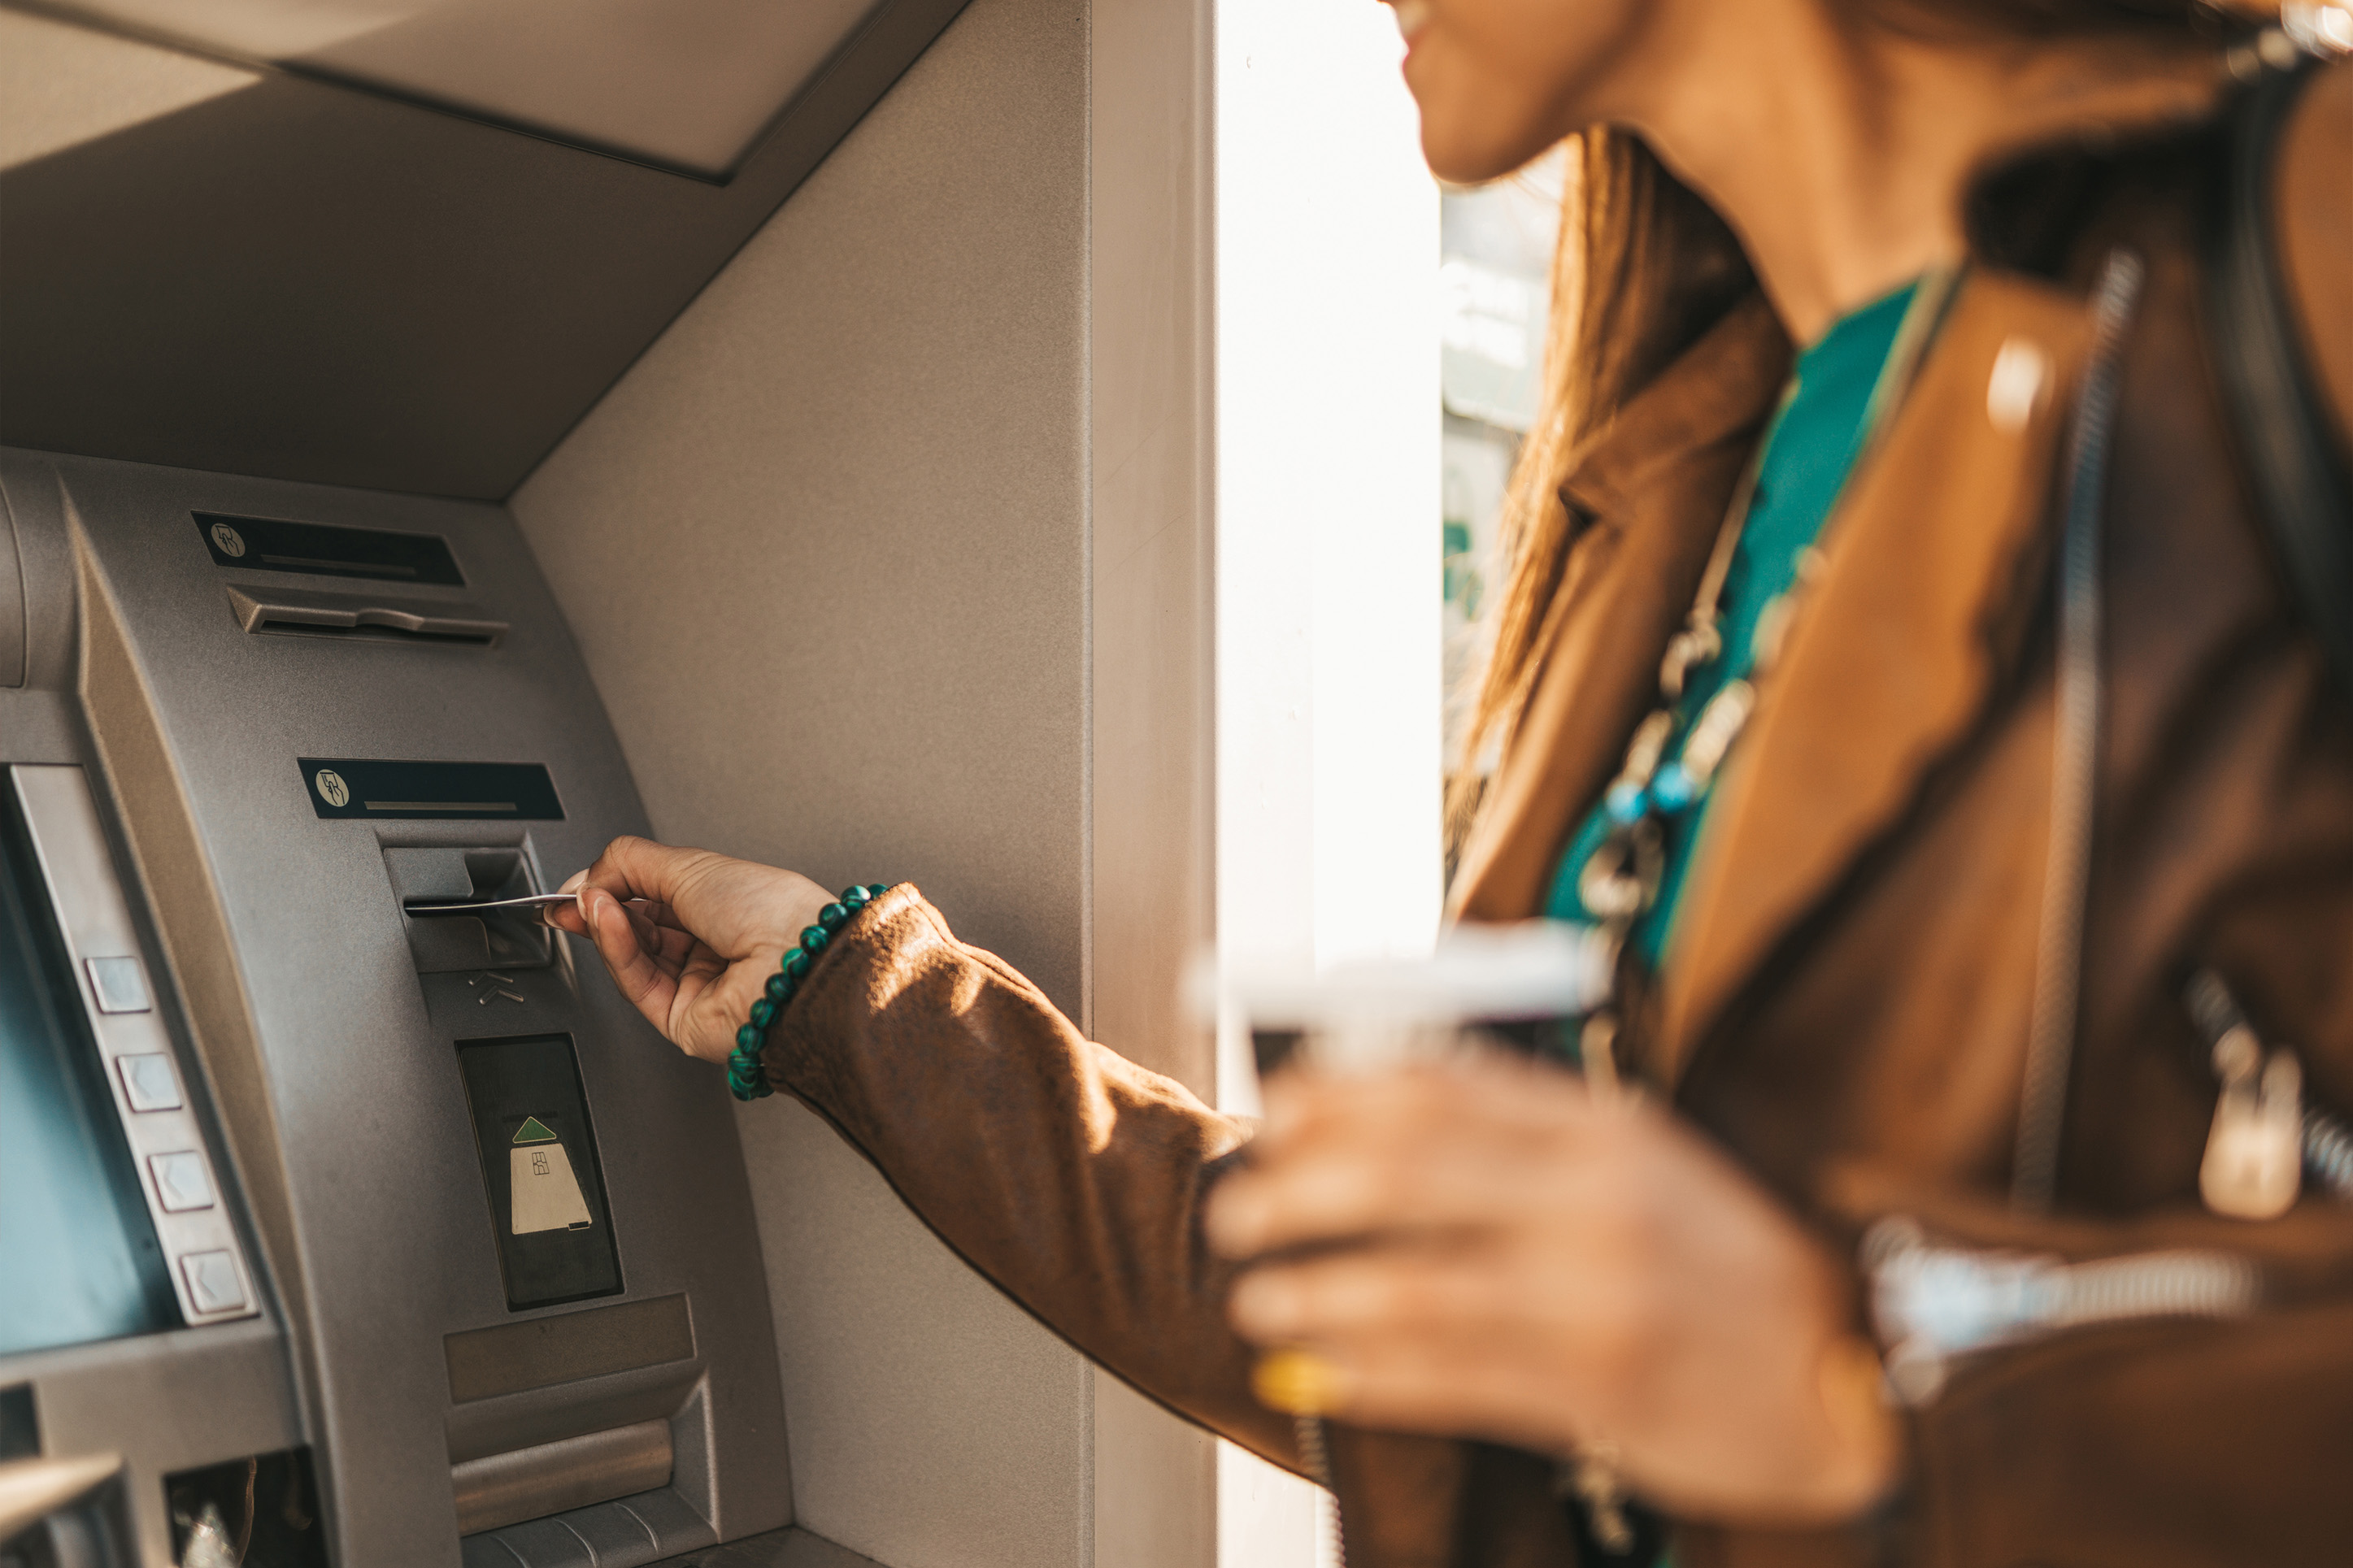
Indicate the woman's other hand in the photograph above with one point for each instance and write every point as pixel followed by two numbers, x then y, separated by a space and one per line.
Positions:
pixel 1486 1249
pixel 689 937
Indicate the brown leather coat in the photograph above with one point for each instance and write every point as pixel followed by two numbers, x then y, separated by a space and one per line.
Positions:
pixel 1846 1004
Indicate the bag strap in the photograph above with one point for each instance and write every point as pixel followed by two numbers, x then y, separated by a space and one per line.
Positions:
pixel 2301 488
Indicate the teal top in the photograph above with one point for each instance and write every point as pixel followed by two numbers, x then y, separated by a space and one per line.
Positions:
pixel 1813 442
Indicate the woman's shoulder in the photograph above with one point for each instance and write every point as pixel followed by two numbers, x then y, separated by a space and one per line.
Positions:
pixel 2312 202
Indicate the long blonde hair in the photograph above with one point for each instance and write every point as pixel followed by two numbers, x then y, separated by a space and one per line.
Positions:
pixel 1644 266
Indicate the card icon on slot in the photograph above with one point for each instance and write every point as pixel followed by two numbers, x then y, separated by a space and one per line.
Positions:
pixel 545 1194
pixel 548 1207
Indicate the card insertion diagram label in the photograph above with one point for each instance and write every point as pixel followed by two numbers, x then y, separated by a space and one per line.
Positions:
pixel 546 1195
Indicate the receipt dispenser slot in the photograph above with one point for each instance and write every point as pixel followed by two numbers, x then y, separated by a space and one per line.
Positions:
pixel 540 1170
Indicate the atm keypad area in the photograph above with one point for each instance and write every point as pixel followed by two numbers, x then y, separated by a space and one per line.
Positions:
pixel 350 1234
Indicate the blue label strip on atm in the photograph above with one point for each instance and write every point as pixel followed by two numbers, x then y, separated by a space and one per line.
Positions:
pixel 312 549
pixel 341 788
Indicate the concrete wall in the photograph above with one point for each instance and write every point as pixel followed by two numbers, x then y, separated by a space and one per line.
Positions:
pixel 889 559
pixel 1152 629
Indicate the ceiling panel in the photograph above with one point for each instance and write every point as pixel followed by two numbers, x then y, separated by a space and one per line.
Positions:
pixel 683 84
pixel 297 280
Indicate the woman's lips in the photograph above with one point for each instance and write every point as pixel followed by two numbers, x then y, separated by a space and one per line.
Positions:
pixel 1412 16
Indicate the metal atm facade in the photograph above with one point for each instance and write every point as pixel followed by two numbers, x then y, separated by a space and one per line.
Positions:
pixel 430 1250
pixel 373 1088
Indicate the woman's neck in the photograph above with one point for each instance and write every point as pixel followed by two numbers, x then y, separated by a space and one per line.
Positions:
pixel 1839 152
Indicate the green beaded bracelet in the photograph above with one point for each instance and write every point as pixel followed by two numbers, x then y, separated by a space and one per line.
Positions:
pixel 746 1078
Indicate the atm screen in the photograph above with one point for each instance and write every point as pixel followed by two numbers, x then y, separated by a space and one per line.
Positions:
pixel 79 1257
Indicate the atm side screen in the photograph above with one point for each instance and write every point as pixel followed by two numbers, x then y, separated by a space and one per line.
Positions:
pixel 79 1256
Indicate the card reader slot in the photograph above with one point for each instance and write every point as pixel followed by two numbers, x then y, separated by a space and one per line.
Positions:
pixel 304 613
pixel 472 920
pixel 424 908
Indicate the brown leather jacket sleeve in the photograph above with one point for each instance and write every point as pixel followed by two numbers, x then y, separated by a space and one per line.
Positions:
pixel 1068 1175
pixel 2314 212
pixel 2164 1442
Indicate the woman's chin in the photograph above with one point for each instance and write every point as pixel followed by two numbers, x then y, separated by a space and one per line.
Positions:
pixel 1476 125
pixel 1472 154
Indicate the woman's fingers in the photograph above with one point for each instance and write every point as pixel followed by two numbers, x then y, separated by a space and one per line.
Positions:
pixel 572 917
pixel 1420 1151
pixel 633 868
pixel 691 937
pixel 1463 1340
pixel 1510 1092
pixel 1343 1189
pixel 738 909
pixel 659 913
pixel 1442 1382
pixel 667 945
pixel 1485 1249
pixel 650 988
pixel 1378 1290
pixel 1508 1285
pixel 657 924
pixel 675 981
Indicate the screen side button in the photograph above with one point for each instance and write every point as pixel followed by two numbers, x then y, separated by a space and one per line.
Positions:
pixel 120 984
pixel 148 1082
pixel 214 1284
pixel 180 1182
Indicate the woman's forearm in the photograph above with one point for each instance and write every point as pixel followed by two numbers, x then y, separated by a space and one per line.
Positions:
pixel 1070 1176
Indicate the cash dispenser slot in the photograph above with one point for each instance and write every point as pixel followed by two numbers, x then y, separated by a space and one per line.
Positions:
pixel 297 612
pixel 617 1461
pixel 554 1477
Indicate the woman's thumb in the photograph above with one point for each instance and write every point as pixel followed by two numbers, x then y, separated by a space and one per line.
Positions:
pixel 633 970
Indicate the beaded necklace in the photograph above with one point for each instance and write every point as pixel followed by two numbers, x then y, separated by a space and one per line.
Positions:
pixel 1619 880
pixel 1670 763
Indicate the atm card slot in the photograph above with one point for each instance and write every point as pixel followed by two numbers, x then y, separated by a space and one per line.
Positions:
pixel 469 909
pixel 419 909
pixel 294 612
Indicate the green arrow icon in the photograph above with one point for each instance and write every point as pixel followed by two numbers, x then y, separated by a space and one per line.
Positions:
pixel 533 1131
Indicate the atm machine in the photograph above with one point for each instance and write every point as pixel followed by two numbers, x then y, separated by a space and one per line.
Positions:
pixel 337 1233
pixel 253 731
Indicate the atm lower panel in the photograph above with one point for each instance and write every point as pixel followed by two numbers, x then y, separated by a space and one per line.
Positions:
pixel 792 1548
